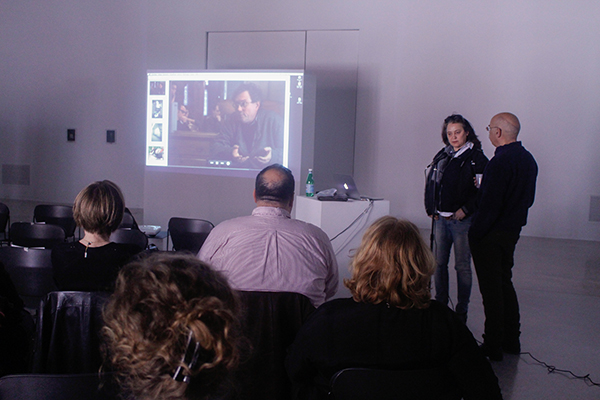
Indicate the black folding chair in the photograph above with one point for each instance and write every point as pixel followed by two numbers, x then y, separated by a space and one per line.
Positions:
pixel 188 233
pixel 128 221
pixel 132 236
pixel 367 384
pixel 4 223
pixel 269 321
pixel 58 387
pixel 30 271
pixel 68 333
pixel 27 234
pixel 56 215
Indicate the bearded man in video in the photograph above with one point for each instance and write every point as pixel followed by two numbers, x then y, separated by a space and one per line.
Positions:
pixel 252 137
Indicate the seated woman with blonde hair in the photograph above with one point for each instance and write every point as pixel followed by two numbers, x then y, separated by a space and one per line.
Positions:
pixel 390 323
pixel 171 329
pixel 92 263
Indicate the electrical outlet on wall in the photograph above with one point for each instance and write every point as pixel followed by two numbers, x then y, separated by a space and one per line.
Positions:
pixel 110 136
pixel 70 135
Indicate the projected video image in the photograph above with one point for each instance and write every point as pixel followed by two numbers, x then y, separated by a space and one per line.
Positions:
pixel 157 109
pixel 225 120
pixel 157 133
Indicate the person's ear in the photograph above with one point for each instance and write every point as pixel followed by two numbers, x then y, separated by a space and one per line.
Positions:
pixel 254 195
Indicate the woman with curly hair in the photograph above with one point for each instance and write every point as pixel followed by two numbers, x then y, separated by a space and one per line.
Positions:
pixel 390 323
pixel 171 328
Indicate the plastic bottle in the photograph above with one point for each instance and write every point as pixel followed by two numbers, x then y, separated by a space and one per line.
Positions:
pixel 310 184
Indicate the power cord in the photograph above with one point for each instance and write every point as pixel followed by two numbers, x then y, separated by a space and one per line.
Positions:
pixel 366 210
pixel 552 369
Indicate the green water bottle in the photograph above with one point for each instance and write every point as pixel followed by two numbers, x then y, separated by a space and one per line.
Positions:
pixel 310 184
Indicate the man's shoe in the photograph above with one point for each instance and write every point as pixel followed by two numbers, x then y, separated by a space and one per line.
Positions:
pixel 493 353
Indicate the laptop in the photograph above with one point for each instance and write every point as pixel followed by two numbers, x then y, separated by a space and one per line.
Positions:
pixel 345 185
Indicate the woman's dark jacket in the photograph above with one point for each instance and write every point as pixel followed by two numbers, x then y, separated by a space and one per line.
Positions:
pixel 450 184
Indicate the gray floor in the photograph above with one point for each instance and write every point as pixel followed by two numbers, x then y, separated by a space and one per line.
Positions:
pixel 558 284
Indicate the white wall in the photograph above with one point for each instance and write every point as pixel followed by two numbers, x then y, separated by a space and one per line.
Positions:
pixel 72 64
pixel 537 59
pixel 81 64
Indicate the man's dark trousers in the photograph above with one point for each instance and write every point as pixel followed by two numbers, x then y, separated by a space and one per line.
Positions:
pixel 493 257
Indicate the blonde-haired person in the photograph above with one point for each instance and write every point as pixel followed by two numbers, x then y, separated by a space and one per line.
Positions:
pixel 390 322
pixel 171 328
pixel 92 263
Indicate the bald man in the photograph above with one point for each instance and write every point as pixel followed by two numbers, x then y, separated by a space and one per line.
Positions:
pixel 507 192
pixel 270 251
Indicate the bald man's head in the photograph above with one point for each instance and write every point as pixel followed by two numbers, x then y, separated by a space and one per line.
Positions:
pixel 274 186
pixel 509 123
pixel 508 127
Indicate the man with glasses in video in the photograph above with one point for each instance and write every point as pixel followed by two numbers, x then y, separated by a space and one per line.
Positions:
pixel 507 191
pixel 252 137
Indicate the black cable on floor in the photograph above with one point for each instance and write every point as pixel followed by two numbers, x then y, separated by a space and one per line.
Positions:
pixel 552 369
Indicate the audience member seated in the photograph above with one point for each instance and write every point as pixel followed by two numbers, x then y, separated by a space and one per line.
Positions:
pixel 171 329
pixel 390 322
pixel 269 251
pixel 16 328
pixel 92 263
pixel 213 122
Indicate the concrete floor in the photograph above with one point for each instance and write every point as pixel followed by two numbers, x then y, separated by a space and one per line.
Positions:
pixel 558 285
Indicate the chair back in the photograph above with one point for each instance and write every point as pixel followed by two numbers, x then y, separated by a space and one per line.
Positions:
pixel 30 271
pixel 58 387
pixel 128 221
pixel 270 321
pixel 188 233
pixel 4 220
pixel 131 236
pixel 56 215
pixel 28 234
pixel 68 333
pixel 367 383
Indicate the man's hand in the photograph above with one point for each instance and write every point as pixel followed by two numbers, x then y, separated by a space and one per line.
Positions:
pixel 459 214
pixel 236 154
pixel 266 158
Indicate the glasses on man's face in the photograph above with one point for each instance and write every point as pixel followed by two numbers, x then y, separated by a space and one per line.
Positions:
pixel 242 104
pixel 489 128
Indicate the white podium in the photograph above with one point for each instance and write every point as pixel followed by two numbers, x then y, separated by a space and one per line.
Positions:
pixel 344 222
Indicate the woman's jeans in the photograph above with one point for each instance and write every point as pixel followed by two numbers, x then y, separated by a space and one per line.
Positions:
pixel 446 233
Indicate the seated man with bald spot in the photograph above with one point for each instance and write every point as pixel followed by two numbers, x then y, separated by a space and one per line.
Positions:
pixel 506 193
pixel 270 251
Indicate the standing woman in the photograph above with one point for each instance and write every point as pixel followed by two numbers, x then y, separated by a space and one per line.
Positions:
pixel 450 196
pixel 93 263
